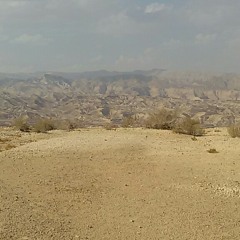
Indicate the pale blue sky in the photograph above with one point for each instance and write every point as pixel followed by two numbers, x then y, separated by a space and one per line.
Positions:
pixel 123 35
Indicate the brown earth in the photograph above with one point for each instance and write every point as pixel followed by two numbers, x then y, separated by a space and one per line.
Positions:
pixel 123 184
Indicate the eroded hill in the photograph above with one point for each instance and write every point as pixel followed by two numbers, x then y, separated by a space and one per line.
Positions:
pixel 100 97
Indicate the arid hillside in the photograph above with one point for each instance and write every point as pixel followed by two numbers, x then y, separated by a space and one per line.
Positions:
pixel 100 97
pixel 123 184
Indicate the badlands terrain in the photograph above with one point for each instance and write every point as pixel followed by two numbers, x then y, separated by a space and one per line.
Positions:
pixel 97 98
pixel 119 184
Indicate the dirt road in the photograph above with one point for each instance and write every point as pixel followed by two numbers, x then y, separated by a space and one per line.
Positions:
pixel 123 184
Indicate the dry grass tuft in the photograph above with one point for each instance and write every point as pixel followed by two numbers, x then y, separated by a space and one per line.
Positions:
pixel 110 126
pixel 9 146
pixel 129 121
pixel 21 124
pixel 162 119
pixel 4 140
pixel 189 126
pixel 234 130
pixel 212 150
pixel 44 125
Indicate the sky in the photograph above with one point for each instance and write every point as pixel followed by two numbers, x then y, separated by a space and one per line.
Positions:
pixel 120 35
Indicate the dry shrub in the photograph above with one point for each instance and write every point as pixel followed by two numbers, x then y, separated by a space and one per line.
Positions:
pixel 162 119
pixel 21 124
pixel 110 126
pixel 4 140
pixel 66 124
pixel 9 146
pixel 71 125
pixel 128 121
pixel 212 150
pixel 234 130
pixel 189 126
pixel 44 125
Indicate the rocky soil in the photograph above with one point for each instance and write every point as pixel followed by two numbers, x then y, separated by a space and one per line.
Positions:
pixel 123 184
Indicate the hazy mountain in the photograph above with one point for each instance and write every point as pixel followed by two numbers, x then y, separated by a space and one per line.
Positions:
pixel 213 98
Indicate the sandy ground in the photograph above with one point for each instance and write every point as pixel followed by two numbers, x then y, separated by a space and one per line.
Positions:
pixel 123 184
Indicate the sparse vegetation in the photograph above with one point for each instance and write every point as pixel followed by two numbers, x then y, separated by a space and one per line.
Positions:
pixel 189 126
pixel 212 150
pixel 234 130
pixel 9 146
pixel 4 140
pixel 110 126
pixel 67 125
pixel 44 125
pixel 21 124
pixel 129 121
pixel 162 119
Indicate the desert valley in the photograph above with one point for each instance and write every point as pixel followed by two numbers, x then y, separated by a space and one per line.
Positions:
pixel 119 182
pixel 119 120
pixel 97 98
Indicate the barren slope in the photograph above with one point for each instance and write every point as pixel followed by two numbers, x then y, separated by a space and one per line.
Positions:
pixel 124 184
pixel 96 98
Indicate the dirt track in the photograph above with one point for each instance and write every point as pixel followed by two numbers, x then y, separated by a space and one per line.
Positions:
pixel 124 184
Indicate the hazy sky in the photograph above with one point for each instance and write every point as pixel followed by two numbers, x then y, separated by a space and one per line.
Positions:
pixel 80 35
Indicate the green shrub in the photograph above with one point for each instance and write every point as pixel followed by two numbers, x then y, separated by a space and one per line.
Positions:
pixel 162 119
pixel 189 126
pixel 21 124
pixel 234 130
pixel 44 125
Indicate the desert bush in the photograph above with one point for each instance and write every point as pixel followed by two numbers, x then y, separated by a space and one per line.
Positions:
pixel 234 130
pixel 189 126
pixel 21 124
pixel 44 125
pixel 212 150
pixel 70 125
pixel 4 140
pixel 128 121
pixel 66 124
pixel 162 119
pixel 9 146
pixel 110 126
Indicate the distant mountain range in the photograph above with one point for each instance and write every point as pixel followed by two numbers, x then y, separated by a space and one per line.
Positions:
pixel 213 98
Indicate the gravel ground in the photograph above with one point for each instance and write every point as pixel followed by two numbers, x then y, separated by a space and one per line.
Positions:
pixel 123 184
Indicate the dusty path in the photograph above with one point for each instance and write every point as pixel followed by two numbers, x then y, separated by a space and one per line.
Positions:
pixel 124 184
